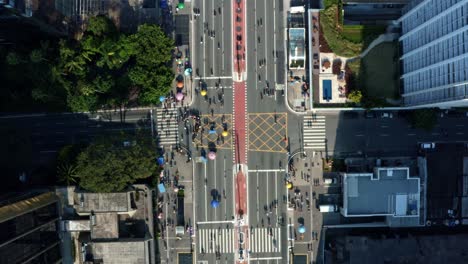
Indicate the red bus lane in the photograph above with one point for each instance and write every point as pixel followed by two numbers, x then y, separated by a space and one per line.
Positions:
pixel 240 130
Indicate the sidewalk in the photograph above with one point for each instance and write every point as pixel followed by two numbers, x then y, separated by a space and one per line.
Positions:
pixel 177 174
pixel 305 173
pixel 182 60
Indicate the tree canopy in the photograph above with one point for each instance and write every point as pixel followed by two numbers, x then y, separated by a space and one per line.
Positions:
pixel 109 165
pixel 102 68
pixel 139 61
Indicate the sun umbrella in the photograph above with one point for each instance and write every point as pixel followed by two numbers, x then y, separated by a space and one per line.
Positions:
pixel 225 133
pixel 301 229
pixel 188 71
pixel 180 84
pixel 161 161
pixel 203 92
pixel 214 204
pixel 289 185
pixel 162 98
pixel 212 155
pixel 179 96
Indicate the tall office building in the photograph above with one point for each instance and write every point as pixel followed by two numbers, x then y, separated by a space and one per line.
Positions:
pixel 434 48
pixel 28 228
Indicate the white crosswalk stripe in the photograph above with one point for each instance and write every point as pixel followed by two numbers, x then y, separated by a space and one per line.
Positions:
pixel 167 126
pixel 263 241
pixel 313 136
pixel 215 240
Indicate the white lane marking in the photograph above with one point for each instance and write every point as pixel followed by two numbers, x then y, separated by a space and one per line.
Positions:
pixel 460 133
pixel 59 132
pixel 258 204
pixel 276 193
pixel 412 134
pixel 204 41
pixel 224 189
pixel 360 135
pixel 256 46
pixel 272 170
pixel 214 40
pixel 215 222
pixel 213 77
pixel 384 135
pixel 435 134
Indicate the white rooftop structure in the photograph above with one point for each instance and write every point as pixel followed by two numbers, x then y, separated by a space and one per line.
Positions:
pixel 386 192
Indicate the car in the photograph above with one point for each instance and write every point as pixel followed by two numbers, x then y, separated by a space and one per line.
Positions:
pixel 328 208
pixel 369 114
pixel 329 181
pixel 350 115
pixel 428 145
pixel 386 115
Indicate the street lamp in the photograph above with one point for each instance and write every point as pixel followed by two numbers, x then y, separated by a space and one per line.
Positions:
pixel 290 157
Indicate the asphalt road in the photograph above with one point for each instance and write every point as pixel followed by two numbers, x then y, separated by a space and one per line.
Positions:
pixel 266 187
pixel 212 39
pixel 387 136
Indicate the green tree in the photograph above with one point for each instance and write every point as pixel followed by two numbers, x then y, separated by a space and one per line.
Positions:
pixel 355 96
pixel 152 55
pixel 424 118
pixel 13 58
pixel 109 166
pixel 66 164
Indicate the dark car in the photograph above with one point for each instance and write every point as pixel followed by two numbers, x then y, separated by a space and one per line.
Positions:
pixel 370 114
pixel 350 115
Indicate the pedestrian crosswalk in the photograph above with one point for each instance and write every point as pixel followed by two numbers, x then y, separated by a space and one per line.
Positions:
pixel 215 240
pixel 314 132
pixel 167 126
pixel 264 240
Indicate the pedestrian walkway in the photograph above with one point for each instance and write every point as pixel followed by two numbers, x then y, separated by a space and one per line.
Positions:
pixel 262 240
pixel 314 132
pixel 215 240
pixel 166 126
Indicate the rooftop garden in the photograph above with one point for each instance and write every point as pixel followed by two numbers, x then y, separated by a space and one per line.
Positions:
pixel 345 40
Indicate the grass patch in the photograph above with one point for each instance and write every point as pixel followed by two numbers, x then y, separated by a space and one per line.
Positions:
pixel 347 40
pixel 378 72
pixel 362 33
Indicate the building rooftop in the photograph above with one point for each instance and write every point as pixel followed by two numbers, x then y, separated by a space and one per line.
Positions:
pixel 379 245
pixel 102 202
pixel 105 226
pixel 447 168
pixel 134 252
pixel 387 191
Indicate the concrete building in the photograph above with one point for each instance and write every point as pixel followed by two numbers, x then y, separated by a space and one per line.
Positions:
pixel 109 227
pixel 28 228
pixel 389 192
pixel 434 48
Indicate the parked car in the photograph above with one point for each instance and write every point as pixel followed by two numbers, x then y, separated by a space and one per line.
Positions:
pixel 329 181
pixel 428 145
pixel 370 114
pixel 350 114
pixel 328 208
pixel 386 115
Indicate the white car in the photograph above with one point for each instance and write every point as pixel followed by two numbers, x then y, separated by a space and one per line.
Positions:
pixel 387 115
pixel 329 181
pixel 427 145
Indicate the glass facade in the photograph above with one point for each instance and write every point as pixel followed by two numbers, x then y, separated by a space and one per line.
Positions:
pixel 435 52
pixel 31 237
